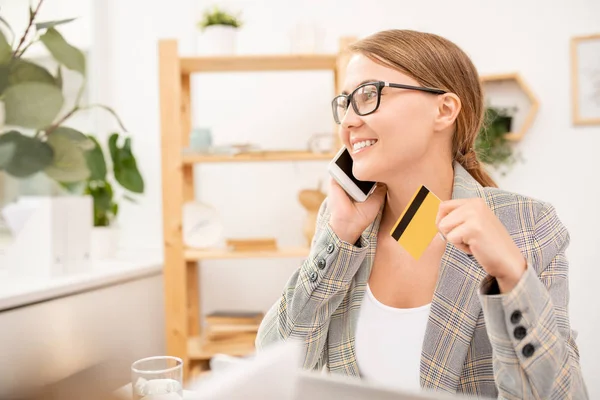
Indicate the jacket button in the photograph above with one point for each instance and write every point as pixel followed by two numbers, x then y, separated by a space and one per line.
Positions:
pixel 313 276
pixel 528 350
pixel 321 263
pixel 330 248
pixel 520 332
pixel 515 317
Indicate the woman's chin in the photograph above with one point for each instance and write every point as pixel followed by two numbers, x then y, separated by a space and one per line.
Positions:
pixel 364 174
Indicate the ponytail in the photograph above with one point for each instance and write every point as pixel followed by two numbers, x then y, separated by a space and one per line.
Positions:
pixel 470 161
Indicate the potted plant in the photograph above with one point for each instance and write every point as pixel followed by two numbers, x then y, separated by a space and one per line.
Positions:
pixel 101 187
pixel 491 145
pixel 36 139
pixel 34 135
pixel 219 31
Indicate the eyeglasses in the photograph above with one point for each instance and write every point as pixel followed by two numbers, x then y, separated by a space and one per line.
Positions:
pixel 365 98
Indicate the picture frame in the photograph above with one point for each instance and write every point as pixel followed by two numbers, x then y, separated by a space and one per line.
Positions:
pixel 585 79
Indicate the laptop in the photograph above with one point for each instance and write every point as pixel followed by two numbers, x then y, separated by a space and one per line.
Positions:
pixel 275 374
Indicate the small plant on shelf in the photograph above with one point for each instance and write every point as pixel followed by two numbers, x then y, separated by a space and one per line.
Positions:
pixel 220 17
pixel 491 145
pixel 219 30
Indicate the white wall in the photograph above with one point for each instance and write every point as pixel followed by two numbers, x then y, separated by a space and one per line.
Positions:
pixel 283 109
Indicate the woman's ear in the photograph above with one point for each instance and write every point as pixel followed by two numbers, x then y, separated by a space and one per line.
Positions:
pixel 449 106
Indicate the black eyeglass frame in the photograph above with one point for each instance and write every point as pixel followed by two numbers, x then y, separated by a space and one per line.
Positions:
pixel 380 85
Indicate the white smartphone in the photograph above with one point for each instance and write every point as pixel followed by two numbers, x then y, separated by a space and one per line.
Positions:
pixel 341 170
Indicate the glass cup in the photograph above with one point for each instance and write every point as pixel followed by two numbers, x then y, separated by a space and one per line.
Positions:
pixel 157 378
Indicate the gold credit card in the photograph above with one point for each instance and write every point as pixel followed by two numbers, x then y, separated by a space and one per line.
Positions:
pixel 416 228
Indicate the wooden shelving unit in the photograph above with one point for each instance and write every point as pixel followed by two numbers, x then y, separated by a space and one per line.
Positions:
pixel 181 292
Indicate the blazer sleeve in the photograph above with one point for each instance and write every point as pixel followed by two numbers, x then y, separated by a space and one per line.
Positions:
pixel 535 355
pixel 313 293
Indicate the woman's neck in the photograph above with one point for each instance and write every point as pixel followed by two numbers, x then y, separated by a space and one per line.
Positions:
pixel 437 177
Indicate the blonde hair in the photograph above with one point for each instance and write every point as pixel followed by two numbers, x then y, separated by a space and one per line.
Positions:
pixel 437 62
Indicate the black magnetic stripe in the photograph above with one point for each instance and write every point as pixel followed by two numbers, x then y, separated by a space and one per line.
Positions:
pixel 410 213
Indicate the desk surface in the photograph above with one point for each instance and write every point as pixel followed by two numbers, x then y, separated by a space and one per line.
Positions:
pixel 23 291
pixel 125 393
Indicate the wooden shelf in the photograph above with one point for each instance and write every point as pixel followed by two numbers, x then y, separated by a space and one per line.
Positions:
pixel 225 254
pixel 284 62
pixel 196 350
pixel 519 91
pixel 257 156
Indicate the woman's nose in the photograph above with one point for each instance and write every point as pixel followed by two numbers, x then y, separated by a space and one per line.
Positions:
pixel 351 119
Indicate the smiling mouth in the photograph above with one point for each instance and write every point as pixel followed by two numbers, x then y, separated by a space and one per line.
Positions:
pixel 358 146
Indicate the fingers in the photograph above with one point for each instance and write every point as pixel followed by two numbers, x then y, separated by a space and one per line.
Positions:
pixel 378 194
pixel 336 187
pixel 446 207
pixel 380 189
pixel 450 221
pixel 458 236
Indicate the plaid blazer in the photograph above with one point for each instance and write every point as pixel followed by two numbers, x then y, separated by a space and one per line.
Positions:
pixel 517 345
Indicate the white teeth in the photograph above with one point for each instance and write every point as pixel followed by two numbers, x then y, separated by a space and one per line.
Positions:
pixel 365 143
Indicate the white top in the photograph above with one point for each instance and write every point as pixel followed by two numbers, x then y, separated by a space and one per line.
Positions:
pixel 389 342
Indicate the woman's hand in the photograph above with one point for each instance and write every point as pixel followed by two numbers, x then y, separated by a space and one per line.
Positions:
pixel 471 226
pixel 348 218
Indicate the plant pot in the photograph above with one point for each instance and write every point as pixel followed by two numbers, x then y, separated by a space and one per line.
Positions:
pixel 217 40
pixel 104 240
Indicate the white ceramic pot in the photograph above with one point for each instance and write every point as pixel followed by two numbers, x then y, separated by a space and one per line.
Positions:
pixel 104 242
pixel 217 40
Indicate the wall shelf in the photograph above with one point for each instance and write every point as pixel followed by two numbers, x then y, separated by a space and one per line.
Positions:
pixel 510 90
pixel 190 65
pixel 224 254
pixel 262 156
pixel 197 351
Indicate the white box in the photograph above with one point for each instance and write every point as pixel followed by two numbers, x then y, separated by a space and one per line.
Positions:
pixel 51 235
pixel 80 220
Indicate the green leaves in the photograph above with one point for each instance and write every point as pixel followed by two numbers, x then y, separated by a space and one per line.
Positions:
pixel 105 209
pixel 30 155
pixel 69 56
pixel 491 144
pixel 218 16
pixel 5 49
pixel 51 24
pixel 4 70
pixel 32 104
pixel 96 162
pixel 6 153
pixel 69 163
pixel 59 77
pixel 22 71
pixel 124 165
pixel 7 25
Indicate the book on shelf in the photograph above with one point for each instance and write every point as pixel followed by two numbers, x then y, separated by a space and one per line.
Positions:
pixel 234 318
pixel 243 339
pixel 231 327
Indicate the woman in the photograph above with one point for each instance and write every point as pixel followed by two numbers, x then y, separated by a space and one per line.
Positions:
pixel 484 311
